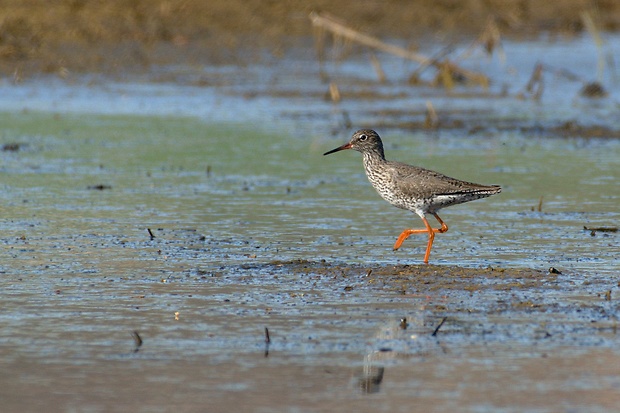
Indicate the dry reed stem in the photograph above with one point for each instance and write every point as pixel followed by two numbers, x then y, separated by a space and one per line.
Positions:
pixel 490 39
pixel 432 120
pixel 378 69
pixel 341 32
pixel 536 81
pixel 590 25
pixel 334 92
pixel 329 23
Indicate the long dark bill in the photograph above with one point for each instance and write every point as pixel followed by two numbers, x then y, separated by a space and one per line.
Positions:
pixel 341 148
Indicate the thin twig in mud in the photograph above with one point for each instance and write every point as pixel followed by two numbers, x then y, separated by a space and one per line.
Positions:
pixel 137 340
pixel 378 69
pixel 334 93
pixel 267 342
pixel 151 234
pixel 536 81
pixel 540 203
pixel 443 320
pixel 594 230
pixel 340 32
pixel 432 120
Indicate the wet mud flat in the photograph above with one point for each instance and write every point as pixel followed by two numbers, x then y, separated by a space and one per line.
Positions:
pixel 305 335
pixel 163 262
pixel 474 294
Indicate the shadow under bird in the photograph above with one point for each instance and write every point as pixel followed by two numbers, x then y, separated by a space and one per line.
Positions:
pixel 413 188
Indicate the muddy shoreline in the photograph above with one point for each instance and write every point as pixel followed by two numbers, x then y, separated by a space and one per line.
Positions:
pixel 71 36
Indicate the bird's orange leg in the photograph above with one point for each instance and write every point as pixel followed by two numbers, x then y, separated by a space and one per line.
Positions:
pixel 431 235
pixel 405 234
pixel 444 227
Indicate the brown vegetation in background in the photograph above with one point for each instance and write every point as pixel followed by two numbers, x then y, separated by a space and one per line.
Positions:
pixel 116 35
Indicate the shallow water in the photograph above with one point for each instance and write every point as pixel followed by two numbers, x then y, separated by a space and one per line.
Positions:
pixel 235 190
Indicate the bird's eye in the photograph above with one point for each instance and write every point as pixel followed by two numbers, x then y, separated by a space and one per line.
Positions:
pixel 363 138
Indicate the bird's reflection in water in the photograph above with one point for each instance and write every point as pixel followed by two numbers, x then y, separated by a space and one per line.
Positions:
pixel 370 380
pixel 393 331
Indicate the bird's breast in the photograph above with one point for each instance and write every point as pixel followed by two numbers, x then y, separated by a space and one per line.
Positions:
pixel 383 182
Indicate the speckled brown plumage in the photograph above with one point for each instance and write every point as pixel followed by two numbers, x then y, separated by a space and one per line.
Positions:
pixel 410 187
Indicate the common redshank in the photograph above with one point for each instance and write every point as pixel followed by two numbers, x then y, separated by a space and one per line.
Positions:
pixel 409 187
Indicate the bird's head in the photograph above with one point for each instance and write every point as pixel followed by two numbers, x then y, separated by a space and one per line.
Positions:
pixel 364 141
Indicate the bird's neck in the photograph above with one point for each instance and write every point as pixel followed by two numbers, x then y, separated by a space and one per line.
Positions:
pixel 373 160
pixel 374 157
